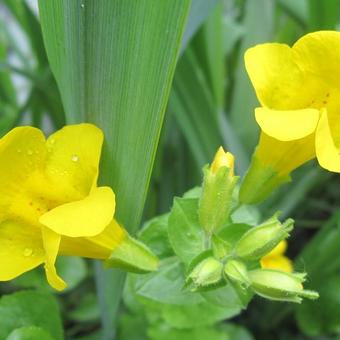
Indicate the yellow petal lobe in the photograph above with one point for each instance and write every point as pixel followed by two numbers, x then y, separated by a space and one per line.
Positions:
pixel 51 242
pixel 326 151
pixel 84 218
pixel 287 125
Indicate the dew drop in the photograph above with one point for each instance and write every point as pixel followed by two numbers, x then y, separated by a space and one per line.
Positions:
pixel 82 6
pixel 18 150
pixel 29 152
pixel 28 252
pixel 75 158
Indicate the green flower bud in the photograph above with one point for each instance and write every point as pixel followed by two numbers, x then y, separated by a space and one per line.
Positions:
pixel 260 240
pixel 237 272
pixel 206 273
pixel 280 286
pixel 218 185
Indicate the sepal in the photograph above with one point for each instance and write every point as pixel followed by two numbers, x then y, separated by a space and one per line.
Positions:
pixel 133 256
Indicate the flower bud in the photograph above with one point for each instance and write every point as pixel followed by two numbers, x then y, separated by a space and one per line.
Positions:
pixel 280 286
pixel 237 272
pixel 206 273
pixel 217 189
pixel 260 240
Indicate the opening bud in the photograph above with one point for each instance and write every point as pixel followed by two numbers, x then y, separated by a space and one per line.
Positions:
pixel 260 240
pixel 206 273
pixel 218 185
pixel 223 159
pixel 280 286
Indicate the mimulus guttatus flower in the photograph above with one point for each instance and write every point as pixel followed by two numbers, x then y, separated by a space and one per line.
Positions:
pixel 277 260
pixel 299 91
pixel 50 203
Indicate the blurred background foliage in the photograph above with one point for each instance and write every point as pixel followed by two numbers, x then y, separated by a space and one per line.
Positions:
pixel 211 103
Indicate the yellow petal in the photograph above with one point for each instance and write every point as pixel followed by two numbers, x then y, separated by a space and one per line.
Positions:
pixel 22 157
pixel 87 217
pixel 73 157
pixel 326 151
pixel 21 249
pixel 320 54
pixel 96 247
pixel 277 262
pixel 51 242
pixel 287 125
pixel 276 77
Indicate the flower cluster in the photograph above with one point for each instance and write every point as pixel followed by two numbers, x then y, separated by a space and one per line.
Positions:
pixel 239 262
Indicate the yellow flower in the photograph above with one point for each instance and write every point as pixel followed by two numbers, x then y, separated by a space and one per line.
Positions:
pixel 299 92
pixel 50 203
pixel 221 159
pixel 276 260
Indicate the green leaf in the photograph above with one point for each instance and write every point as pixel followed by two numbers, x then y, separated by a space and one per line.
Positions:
pixel 196 315
pixel 29 308
pixel 233 232
pixel 297 9
pixel 228 297
pixel 86 310
pixel 199 10
pixel 165 285
pixel 154 234
pixel 30 333
pixel 323 15
pixel 185 234
pixel 72 269
pixel 132 327
pixel 160 332
pixel 30 25
pixel 192 104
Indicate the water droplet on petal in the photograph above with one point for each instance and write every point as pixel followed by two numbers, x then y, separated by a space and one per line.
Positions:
pixel 28 252
pixel 29 152
pixel 18 150
pixel 75 158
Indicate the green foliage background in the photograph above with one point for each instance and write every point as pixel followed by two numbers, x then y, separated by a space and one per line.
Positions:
pixel 209 103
